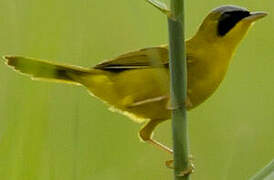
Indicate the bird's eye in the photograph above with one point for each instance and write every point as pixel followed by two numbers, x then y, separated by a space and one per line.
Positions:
pixel 229 19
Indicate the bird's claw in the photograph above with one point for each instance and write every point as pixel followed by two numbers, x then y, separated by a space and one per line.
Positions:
pixel 169 164
pixel 187 171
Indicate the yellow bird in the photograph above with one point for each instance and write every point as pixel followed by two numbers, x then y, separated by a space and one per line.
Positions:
pixel 137 83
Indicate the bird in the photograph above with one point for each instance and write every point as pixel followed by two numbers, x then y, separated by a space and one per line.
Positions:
pixel 137 83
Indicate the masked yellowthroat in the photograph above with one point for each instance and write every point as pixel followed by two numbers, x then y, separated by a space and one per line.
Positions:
pixel 137 83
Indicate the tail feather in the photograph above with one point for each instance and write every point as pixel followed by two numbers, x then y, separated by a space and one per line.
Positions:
pixel 45 70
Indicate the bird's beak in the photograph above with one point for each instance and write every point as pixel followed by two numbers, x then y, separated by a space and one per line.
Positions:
pixel 254 16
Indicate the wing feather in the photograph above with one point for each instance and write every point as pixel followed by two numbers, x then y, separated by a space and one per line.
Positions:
pixel 143 58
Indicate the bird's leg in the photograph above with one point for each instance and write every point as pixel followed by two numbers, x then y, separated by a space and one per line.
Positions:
pixel 160 6
pixel 146 135
pixel 159 145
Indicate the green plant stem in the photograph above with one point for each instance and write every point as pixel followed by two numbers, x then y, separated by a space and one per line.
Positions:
pixel 266 173
pixel 178 73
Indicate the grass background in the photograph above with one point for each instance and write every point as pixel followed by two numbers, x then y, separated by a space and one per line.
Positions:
pixel 55 131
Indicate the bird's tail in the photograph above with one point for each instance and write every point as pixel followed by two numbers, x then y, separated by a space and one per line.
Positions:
pixel 45 70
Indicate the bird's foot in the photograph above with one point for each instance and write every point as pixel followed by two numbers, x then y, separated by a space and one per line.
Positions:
pixel 187 171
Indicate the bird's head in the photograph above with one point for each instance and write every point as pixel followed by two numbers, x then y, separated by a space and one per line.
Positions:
pixel 227 24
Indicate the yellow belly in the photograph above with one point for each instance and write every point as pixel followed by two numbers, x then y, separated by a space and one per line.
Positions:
pixel 123 89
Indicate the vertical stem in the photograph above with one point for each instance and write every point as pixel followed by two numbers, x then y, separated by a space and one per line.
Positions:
pixel 178 73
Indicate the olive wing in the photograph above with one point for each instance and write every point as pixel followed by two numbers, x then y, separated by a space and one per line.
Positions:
pixel 142 58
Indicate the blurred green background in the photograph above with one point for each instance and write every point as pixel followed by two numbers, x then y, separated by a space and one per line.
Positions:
pixel 55 131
